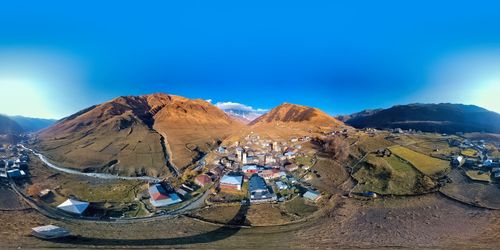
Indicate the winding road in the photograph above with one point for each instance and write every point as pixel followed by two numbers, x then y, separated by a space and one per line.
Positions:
pixel 95 175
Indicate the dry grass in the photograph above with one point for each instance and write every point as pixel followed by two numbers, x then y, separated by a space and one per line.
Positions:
pixel 477 175
pixel 469 152
pixel 425 164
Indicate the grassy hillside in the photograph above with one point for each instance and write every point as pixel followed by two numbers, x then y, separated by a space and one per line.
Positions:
pixel 441 118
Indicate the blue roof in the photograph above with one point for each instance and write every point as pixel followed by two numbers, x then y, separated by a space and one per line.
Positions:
pixel 249 167
pixel 256 183
pixel 311 195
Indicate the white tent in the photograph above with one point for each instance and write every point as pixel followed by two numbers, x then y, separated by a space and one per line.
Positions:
pixel 74 206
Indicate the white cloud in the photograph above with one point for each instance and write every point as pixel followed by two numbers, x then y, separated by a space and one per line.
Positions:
pixel 238 106
pixel 241 110
pixel 209 100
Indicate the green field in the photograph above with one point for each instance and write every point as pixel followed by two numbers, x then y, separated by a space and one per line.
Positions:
pixel 425 164
pixel 304 160
pixel 387 175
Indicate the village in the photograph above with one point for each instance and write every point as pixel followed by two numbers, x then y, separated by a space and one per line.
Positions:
pixel 259 170
pixel 254 170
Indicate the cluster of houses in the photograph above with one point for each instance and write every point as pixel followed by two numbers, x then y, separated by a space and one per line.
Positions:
pixel 14 165
pixel 482 162
pixel 265 164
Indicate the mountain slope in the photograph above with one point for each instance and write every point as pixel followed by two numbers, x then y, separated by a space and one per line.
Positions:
pixel 9 130
pixel 443 118
pixel 30 124
pixel 9 126
pixel 363 113
pixel 137 135
pixel 292 113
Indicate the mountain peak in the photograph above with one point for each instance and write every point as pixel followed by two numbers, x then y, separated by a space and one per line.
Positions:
pixel 288 112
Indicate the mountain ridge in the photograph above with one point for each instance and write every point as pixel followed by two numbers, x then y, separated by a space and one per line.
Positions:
pixel 429 117
pixel 139 132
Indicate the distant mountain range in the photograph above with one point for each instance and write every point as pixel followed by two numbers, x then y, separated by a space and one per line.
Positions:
pixel 441 118
pixel 29 124
pixel 161 134
pixel 9 126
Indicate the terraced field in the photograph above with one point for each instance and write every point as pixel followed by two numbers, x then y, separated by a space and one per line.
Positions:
pixel 427 165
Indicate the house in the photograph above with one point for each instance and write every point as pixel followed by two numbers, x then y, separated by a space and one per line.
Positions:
pixel 292 180
pixel 458 160
pixel 250 169
pixel 290 155
pixel 496 175
pixel 470 162
pixel 229 182
pixel 239 153
pixel 281 185
pixel 49 232
pixel 44 193
pixel 182 192
pixel 160 198
pixel 268 159
pixel 291 167
pixel 74 206
pixel 202 180
pixel 258 190
pixel 16 173
pixel 312 195
pixel 244 158
pixel 216 171
pixel 221 150
pixel 270 173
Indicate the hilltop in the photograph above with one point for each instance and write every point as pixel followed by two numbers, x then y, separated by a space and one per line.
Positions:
pixel 441 118
pixel 137 135
pixel 293 113
pixel 288 120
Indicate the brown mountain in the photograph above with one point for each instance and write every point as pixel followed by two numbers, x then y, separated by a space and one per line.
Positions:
pixel 137 135
pixel 292 113
pixel 289 120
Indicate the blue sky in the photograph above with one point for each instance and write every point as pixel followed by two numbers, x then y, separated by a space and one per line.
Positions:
pixel 340 56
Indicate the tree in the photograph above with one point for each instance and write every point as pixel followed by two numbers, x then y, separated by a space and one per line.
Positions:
pixel 336 147
pixel 33 190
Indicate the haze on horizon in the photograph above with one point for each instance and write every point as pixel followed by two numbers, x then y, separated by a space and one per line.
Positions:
pixel 59 57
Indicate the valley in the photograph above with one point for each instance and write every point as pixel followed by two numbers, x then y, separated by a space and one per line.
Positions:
pixel 294 171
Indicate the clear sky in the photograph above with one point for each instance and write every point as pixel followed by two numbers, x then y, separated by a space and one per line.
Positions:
pixel 57 57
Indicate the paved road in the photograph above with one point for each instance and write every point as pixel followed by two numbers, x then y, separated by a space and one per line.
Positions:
pixel 95 175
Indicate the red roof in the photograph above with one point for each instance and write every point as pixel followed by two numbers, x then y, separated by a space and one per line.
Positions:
pixel 159 196
pixel 203 179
